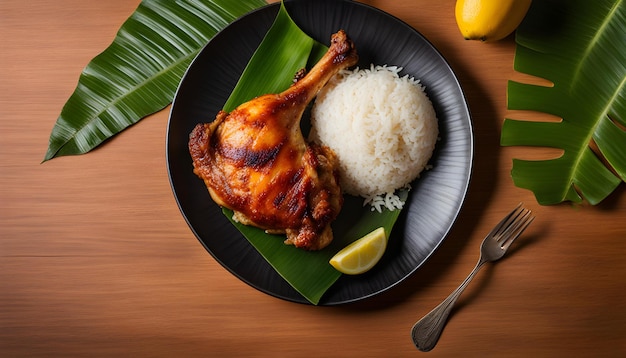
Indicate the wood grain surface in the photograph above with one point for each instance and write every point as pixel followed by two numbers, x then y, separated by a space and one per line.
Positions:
pixel 96 259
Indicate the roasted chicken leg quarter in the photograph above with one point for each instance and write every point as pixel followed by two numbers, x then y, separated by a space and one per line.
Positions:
pixel 256 162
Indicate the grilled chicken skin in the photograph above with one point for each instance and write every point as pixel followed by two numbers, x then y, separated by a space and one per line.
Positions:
pixel 256 162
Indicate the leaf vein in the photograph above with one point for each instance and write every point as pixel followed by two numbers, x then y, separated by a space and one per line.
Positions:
pixel 586 54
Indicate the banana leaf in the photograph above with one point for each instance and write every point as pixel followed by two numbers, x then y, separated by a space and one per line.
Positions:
pixel 284 50
pixel 579 46
pixel 309 272
pixel 138 74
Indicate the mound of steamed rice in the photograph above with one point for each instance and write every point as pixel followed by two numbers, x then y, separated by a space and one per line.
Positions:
pixel 382 127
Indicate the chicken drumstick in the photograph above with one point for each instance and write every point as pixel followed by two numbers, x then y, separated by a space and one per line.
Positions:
pixel 256 162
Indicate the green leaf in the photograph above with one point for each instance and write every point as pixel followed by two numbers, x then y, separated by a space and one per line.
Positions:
pixel 139 72
pixel 580 46
pixel 138 75
pixel 269 68
pixel 284 50
pixel 309 272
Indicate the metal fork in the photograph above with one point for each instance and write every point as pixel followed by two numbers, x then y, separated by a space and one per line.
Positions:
pixel 426 331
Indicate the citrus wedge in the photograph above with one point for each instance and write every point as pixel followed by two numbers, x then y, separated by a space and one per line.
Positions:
pixel 362 254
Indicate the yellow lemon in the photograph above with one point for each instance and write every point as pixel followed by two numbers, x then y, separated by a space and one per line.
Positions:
pixel 489 20
pixel 362 254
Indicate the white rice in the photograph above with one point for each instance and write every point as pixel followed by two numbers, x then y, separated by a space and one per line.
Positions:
pixel 382 127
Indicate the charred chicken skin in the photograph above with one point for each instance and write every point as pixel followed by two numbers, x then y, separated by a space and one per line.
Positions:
pixel 256 162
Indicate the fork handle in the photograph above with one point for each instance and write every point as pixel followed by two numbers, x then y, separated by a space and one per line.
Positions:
pixel 426 331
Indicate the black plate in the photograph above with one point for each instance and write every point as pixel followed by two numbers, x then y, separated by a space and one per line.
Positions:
pixel 380 38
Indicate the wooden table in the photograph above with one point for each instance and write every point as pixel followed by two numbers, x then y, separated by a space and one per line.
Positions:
pixel 96 259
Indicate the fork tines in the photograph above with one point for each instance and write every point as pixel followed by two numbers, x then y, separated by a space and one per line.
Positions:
pixel 512 226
